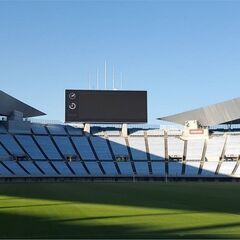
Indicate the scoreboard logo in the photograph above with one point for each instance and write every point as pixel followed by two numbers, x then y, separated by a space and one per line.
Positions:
pixel 72 106
pixel 72 96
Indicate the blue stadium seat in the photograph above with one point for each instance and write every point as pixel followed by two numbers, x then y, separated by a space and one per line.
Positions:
pixel 31 168
pixel 3 154
pixel 74 131
pixel 56 129
pixel 38 129
pixel 101 148
pixel 94 169
pixel 83 148
pixel 109 168
pixel 158 169
pixel 16 168
pixel 4 172
pixel 48 147
pixel 174 169
pixel 11 145
pixel 47 168
pixel 142 168
pixel 30 147
pixel 62 168
pixel 2 129
pixel 78 168
pixel 64 145
pixel 125 168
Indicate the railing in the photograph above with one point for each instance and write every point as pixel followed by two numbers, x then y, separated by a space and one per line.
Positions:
pixel 223 127
pixel 45 121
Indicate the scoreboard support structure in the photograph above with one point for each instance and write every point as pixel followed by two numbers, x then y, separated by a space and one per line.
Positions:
pixel 87 128
pixel 124 129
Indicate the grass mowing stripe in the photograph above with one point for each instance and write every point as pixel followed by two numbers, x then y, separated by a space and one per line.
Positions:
pixel 120 210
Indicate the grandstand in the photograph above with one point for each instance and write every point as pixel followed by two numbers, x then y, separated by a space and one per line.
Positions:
pixel 30 150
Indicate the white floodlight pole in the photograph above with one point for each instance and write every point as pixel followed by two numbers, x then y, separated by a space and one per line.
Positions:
pixel 121 79
pixel 113 79
pixel 97 78
pixel 89 81
pixel 105 75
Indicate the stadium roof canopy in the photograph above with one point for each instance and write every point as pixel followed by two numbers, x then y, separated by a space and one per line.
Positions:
pixel 8 104
pixel 227 112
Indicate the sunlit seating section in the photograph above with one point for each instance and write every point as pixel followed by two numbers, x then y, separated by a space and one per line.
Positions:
pixel 174 132
pixel 136 132
pixel 156 148
pixel 155 132
pixel 233 146
pixel 214 148
pixel 209 169
pixel 113 133
pixel 226 168
pixel 101 148
pixel 237 172
pixel 138 148
pixel 175 147
pixel 195 149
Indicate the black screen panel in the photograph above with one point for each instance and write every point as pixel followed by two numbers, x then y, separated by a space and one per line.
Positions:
pixel 97 106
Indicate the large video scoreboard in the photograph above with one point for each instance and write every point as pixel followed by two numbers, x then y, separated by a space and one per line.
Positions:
pixel 105 106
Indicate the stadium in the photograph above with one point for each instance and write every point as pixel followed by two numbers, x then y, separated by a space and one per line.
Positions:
pixel 207 147
pixel 119 119
pixel 103 174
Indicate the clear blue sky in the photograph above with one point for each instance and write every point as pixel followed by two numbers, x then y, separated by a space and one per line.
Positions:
pixel 186 54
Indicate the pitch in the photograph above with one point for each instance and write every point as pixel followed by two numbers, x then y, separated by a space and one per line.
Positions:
pixel 120 210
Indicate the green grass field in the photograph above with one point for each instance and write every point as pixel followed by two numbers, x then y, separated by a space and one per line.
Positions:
pixel 120 210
